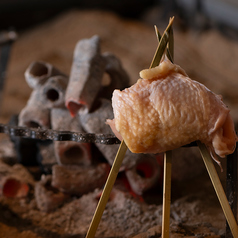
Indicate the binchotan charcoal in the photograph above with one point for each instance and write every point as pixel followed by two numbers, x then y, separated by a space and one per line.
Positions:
pixel 69 152
pixel 15 181
pixel 88 79
pixel 117 76
pixel 95 122
pixel 11 187
pixel 79 180
pixel 47 197
pixel 86 75
pixel 53 91
pixel 35 114
pixel 39 72
pixel 144 175
pixel 44 97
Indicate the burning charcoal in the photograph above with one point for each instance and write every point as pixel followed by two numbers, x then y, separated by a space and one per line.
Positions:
pixel 47 197
pixel 144 175
pixel 13 188
pixel 79 180
pixel 86 75
pixel 69 152
pixel 14 181
pixel 38 72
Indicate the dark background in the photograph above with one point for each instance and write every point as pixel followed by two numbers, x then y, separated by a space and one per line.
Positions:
pixel 201 14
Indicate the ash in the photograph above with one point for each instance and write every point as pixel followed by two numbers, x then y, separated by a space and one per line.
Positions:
pixel 125 215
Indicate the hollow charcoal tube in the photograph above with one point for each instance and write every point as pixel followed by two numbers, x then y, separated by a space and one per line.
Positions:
pixel 11 187
pixel 117 76
pixel 35 114
pixel 144 175
pixel 86 75
pixel 53 91
pixel 79 180
pixel 38 72
pixel 44 97
pixel 69 152
pixel 14 181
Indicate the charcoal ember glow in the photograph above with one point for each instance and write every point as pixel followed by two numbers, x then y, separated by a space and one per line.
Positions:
pixel 144 175
pixel 15 181
pixel 166 109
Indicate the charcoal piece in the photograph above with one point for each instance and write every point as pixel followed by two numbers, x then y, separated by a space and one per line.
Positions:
pixel 13 188
pixel 49 86
pixel 69 152
pixel 118 77
pixel 86 75
pixel 15 181
pixel 54 91
pixel 27 149
pixel 35 114
pixel 38 72
pixel 79 180
pixel 47 197
pixel 144 175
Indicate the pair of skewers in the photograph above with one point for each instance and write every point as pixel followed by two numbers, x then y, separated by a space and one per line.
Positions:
pixel 165 43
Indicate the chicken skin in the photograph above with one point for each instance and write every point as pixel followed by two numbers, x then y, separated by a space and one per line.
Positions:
pixel 166 109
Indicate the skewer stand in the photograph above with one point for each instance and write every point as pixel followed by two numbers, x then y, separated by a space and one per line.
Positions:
pixel 227 210
pixel 219 189
pixel 231 186
pixel 166 194
pixel 164 41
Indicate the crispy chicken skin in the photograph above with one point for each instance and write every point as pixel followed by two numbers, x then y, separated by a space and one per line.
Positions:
pixel 166 109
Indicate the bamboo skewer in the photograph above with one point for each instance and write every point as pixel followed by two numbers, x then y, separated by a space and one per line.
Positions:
pixel 163 41
pixel 219 189
pixel 122 149
pixel 166 194
pixel 167 154
pixel 107 190
pixel 231 186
